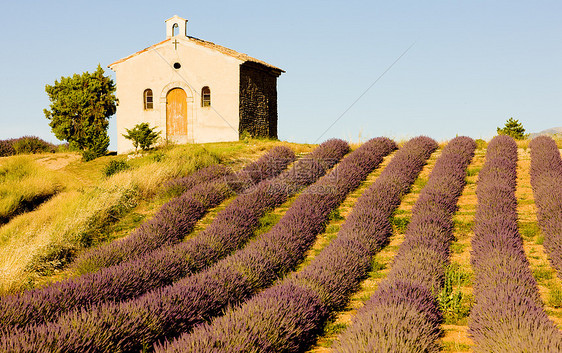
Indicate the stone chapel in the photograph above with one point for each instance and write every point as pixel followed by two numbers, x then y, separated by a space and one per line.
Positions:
pixel 195 91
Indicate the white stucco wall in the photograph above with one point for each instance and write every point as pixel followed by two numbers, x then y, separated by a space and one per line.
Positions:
pixel 200 66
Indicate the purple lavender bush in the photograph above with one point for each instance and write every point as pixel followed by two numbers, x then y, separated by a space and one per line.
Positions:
pixel 134 277
pixel 180 185
pixel 403 315
pixel 507 315
pixel 177 218
pixel 168 311
pixel 230 229
pixel 288 316
pixel 7 148
pixel 546 180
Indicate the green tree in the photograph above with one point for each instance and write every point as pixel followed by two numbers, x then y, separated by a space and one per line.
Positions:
pixel 80 109
pixel 142 135
pixel 514 129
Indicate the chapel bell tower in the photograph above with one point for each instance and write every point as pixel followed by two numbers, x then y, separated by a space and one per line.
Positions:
pixel 176 26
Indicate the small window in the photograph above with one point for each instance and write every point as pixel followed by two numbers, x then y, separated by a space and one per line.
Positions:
pixel 175 29
pixel 206 97
pixel 177 66
pixel 148 102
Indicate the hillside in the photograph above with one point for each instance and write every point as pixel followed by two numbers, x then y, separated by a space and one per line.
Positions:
pixel 85 208
pixel 289 233
pixel 550 132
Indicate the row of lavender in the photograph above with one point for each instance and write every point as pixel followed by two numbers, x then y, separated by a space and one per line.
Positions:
pixel 204 189
pixel 170 263
pixel 507 315
pixel 165 312
pixel 403 315
pixel 287 316
pixel 546 180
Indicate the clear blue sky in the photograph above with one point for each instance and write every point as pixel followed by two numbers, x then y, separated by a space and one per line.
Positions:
pixel 473 65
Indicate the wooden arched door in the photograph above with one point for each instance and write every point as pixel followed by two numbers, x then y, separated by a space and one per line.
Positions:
pixel 176 114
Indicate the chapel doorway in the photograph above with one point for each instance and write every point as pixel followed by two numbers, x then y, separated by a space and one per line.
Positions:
pixel 176 115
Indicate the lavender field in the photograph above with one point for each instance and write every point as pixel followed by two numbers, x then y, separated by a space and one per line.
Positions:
pixel 415 246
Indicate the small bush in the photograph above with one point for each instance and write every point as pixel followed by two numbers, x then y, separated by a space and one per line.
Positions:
pixel 88 155
pixel 114 167
pixel 514 129
pixel 400 223
pixel 473 171
pixel 245 136
pixel 555 295
pixel 158 156
pixel 480 144
pixel 335 215
pixel 143 136
pixel 32 144
pixel 6 148
pixel 25 145
pixel 542 273
pixel 454 304
pixel 529 230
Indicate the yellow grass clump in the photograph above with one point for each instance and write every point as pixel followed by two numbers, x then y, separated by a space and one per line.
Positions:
pixel 23 185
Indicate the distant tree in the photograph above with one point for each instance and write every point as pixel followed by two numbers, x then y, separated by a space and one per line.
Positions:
pixel 142 135
pixel 80 109
pixel 514 129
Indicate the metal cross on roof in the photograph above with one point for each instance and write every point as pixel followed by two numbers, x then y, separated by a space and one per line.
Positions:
pixel 175 44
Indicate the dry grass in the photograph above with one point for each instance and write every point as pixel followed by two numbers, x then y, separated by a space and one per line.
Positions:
pixel 23 185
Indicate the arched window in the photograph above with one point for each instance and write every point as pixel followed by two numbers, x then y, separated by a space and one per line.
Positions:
pixel 206 97
pixel 175 30
pixel 148 102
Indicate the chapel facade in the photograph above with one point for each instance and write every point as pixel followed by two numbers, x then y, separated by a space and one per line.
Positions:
pixel 195 91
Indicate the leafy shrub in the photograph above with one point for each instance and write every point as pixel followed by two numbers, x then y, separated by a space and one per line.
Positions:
pixel 453 303
pixel 89 155
pixel 65 147
pixel 480 144
pixel 158 156
pixel 32 144
pixel 114 167
pixel 142 135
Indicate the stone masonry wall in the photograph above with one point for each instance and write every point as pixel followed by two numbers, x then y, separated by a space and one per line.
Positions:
pixel 258 102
